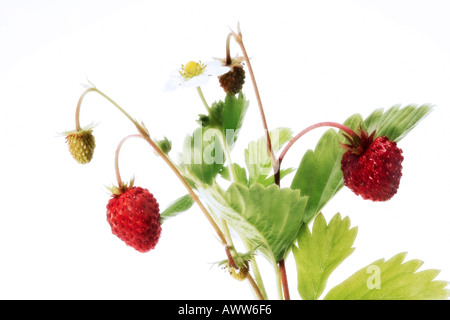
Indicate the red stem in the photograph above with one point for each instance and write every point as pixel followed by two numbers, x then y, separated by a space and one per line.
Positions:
pixel 238 38
pixel 284 280
pixel 277 181
pixel 230 257
pixel 317 125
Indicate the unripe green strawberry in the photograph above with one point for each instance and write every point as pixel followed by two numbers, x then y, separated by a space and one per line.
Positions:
pixel 239 273
pixel 81 144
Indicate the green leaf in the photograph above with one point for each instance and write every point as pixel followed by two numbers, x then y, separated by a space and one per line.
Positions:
pixel 240 172
pixel 320 252
pixel 178 206
pixel 268 218
pixel 391 280
pixel 203 156
pixel 319 174
pixel 227 116
pixel 233 114
pixel 257 158
pixel 271 180
pixel 396 122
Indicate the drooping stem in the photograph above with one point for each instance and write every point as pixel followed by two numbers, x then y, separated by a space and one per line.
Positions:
pixel 77 112
pixel 188 187
pixel 146 136
pixel 306 130
pixel 342 127
pixel 116 159
pixel 94 89
pixel 238 38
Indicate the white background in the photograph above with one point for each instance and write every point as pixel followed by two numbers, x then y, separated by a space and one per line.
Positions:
pixel 314 61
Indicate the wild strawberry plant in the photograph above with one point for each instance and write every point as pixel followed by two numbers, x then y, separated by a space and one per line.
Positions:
pixel 272 221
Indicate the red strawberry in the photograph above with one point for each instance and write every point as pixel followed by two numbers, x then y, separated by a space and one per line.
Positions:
pixel 134 217
pixel 372 168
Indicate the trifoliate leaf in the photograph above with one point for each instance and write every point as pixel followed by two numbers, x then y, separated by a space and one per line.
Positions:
pixel 178 206
pixel 257 158
pixel 320 252
pixel 319 175
pixel 391 280
pixel 268 218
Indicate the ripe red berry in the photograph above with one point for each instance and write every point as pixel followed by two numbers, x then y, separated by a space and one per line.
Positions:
pixel 372 168
pixel 134 218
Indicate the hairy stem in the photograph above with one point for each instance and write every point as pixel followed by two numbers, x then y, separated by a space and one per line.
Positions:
pixel 94 89
pixel 188 187
pixel 146 136
pixel 77 112
pixel 116 159
pixel 306 130
pixel 238 39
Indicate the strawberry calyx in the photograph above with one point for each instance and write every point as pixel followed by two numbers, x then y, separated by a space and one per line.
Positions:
pixel 116 191
pixel 358 142
pixel 239 268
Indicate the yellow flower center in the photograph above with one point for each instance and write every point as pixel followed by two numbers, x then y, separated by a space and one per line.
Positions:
pixel 192 69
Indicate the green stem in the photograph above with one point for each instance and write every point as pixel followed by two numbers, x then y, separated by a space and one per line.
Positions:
pixel 187 186
pixel 202 97
pixel 116 159
pixel 146 136
pixel 228 157
pixel 77 112
pixel 94 89
pixel 255 287
pixel 117 106
pixel 279 281
pixel 257 274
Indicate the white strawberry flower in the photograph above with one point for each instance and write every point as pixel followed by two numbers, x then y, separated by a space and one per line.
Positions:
pixel 195 74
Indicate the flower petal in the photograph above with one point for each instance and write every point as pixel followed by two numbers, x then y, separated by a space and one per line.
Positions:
pixel 195 81
pixel 215 68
